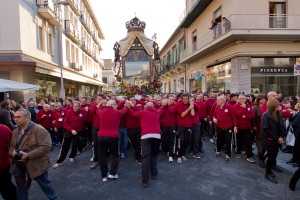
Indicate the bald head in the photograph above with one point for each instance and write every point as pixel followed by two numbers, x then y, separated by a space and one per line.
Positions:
pixel 272 95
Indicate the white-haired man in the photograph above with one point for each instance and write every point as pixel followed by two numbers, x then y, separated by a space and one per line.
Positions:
pixel 150 139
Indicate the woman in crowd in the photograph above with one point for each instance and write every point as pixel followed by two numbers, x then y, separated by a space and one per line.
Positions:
pixel 272 135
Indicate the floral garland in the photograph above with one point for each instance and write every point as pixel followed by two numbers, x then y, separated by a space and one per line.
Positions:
pixel 151 87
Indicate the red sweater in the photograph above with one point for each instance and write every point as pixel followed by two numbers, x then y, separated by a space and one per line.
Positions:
pixel 284 112
pixel 208 105
pixel 45 122
pixel 131 120
pixel 186 121
pixel 75 120
pixel 93 111
pixel 243 123
pixel 225 116
pixel 201 109
pixel 212 110
pixel 109 121
pixel 5 136
pixel 59 116
pixel 168 118
pixel 149 119
pixel 123 119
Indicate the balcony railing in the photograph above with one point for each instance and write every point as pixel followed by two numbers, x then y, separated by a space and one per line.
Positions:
pixel 86 47
pixel 72 32
pixel 73 5
pixel 48 10
pixel 189 5
pixel 85 23
pixel 245 25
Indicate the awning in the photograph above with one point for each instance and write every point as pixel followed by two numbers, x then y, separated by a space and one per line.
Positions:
pixel 8 85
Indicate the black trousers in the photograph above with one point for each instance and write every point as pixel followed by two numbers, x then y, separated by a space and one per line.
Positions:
pixel 68 139
pixel 244 139
pixel 95 144
pixel 59 135
pixel 108 147
pixel 7 188
pixel 184 140
pixel 272 149
pixel 52 134
pixel 211 130
pixel 150 150
pixel 134 135
pixel 224 136
pixel 296 150
pixel 295 178
pixel 168 139
pixel 195 138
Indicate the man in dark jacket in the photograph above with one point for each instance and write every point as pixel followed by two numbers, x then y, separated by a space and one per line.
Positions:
pixel 5 117
pixel 296 154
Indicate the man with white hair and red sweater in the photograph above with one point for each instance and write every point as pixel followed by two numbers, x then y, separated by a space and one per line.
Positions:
pixel 108 138
pixel 150 140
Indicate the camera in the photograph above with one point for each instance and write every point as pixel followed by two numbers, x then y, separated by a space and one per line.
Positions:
pixel 18 156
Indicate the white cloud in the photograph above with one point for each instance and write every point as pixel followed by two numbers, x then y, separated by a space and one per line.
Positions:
pixel 160 16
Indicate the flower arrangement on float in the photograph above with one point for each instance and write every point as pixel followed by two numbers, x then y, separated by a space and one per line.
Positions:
pixel 150 87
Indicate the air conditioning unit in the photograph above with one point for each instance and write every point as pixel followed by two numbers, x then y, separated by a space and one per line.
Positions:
pixel 74 65
pixel 95 75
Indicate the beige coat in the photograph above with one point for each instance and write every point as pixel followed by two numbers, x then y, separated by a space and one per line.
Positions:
pixel 38 144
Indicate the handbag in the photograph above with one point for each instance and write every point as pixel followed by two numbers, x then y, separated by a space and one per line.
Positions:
pixel 290 138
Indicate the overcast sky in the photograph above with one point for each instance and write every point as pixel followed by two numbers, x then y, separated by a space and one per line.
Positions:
pixel 160 16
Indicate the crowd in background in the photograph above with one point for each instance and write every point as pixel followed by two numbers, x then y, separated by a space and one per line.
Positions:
pixel 172 123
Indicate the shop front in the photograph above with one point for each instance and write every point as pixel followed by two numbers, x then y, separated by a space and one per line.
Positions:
pixel 48 87
pixel 274 74
pixel 218 77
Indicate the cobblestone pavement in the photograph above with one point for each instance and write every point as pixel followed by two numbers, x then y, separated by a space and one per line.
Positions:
pixel 206 178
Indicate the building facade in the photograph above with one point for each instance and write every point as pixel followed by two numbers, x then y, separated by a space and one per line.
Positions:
pixel 238 45
pixel 109 77
pixel 53 44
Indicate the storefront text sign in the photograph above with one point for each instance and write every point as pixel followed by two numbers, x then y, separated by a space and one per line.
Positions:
pixel 272 70
pixel 297 70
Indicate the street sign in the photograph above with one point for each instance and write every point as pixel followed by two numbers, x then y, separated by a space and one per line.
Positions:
pixel 297 70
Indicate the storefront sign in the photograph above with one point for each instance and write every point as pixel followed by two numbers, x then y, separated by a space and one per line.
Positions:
pixel 272 70
pixel 297 70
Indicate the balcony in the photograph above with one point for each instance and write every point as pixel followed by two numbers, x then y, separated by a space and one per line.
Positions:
pixel 85 24
pixel 72 4
pixel 72 32
pixel 193 9
pixel 86 47
pixel 244 27
pixel 48 10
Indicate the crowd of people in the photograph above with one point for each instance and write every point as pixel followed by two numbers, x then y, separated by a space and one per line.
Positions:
pixel 172 123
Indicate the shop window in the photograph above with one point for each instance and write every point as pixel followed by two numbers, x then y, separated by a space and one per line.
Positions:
pixel 218 78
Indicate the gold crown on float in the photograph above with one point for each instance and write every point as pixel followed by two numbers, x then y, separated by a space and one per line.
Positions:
pixel 135 25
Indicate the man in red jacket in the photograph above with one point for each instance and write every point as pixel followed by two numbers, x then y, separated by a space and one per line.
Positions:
pixel 59 115
pixel 208 105
pixel 108 138
pixel 184 119
pixel 74 123
pixel 150 139
pixel 93 111
pixel 134 128
pixel 245 116
pixel 226 122
pixel 7 188
pixel 46 119
pixel 168 127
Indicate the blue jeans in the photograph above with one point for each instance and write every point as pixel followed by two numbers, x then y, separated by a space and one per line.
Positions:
pixel 23 182
pixel 123 140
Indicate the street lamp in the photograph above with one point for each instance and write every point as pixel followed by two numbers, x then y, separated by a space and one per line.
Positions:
pixel 60 50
